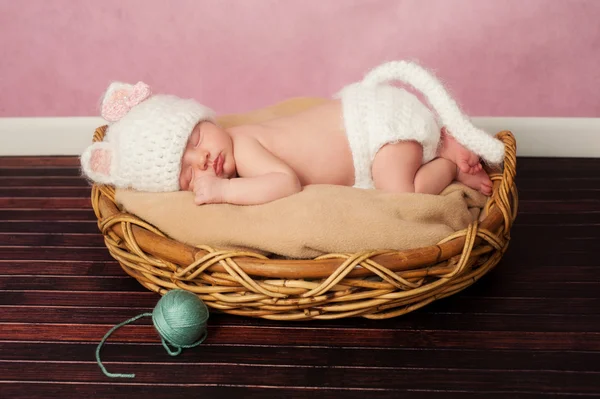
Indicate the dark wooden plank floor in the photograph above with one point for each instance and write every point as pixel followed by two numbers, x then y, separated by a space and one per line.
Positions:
pixel 530 328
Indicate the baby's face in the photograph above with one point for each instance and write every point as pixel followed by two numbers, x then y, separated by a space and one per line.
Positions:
pixel 209 152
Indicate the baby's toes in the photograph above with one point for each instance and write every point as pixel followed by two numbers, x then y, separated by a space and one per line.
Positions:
pixel 472 170
pixel 486 186
pixel 469 164
pixel 476 168
pixel 464 166
pixel 474 160
pixel 485 189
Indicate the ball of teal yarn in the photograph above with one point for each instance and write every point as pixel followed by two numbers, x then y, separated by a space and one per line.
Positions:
pixel 180 318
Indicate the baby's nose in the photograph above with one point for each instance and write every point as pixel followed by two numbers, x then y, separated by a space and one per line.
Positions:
pixel 204 162
pixel 201 159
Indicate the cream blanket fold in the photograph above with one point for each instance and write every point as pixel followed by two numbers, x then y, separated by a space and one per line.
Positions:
pixel 320 219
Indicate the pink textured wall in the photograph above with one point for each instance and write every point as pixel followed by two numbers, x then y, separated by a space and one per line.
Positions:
pixel 499 58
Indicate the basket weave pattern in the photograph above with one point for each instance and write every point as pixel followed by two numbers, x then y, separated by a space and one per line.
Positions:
pixel 371 284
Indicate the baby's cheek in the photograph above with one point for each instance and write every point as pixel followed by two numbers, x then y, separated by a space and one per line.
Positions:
pixel 183 182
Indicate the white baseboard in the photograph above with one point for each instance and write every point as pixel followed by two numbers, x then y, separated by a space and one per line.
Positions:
pixel 46 136
pixel 536 137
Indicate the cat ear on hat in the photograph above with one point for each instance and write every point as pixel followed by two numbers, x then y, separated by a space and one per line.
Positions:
pixel 98 162
pixel 119 98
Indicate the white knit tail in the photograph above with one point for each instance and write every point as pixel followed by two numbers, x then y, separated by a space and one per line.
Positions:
pixel 459 126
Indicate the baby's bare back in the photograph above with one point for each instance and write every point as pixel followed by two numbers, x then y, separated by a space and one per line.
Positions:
pixel 313 143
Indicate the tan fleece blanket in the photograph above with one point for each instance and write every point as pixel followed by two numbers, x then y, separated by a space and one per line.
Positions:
pixel 320 219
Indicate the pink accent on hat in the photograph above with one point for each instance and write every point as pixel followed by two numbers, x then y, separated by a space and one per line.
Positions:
pixel 121 101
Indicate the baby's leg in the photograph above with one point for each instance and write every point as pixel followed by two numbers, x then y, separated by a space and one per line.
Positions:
pixel 395 166
pixel 434 176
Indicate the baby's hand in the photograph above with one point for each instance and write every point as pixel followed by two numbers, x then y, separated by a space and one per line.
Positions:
pixel 209 190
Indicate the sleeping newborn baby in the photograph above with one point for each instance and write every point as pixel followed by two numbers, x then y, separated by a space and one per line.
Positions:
pixel 371 135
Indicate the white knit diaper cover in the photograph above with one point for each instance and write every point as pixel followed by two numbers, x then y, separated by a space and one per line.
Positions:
pixel 377 115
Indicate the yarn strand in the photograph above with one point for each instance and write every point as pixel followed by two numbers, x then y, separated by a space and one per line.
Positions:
pixel 106 372
pixel 179 348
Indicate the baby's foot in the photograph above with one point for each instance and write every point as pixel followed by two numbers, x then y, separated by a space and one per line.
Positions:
pixel 478 181
pixel 467 161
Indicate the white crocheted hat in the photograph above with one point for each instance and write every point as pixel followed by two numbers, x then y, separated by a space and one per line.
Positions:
pixel 460 127
pixel 143 146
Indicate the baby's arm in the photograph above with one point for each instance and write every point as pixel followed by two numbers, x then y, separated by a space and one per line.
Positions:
pixel 263 176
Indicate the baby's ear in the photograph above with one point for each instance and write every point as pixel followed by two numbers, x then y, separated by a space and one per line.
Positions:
pixel 97 162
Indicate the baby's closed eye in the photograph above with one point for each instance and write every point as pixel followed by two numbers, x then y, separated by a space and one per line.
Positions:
pixel 196 137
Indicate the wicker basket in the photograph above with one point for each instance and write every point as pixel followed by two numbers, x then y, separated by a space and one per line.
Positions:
pixel 373 284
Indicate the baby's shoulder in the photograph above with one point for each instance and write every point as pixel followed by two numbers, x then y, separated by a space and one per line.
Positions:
pixel 247 143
